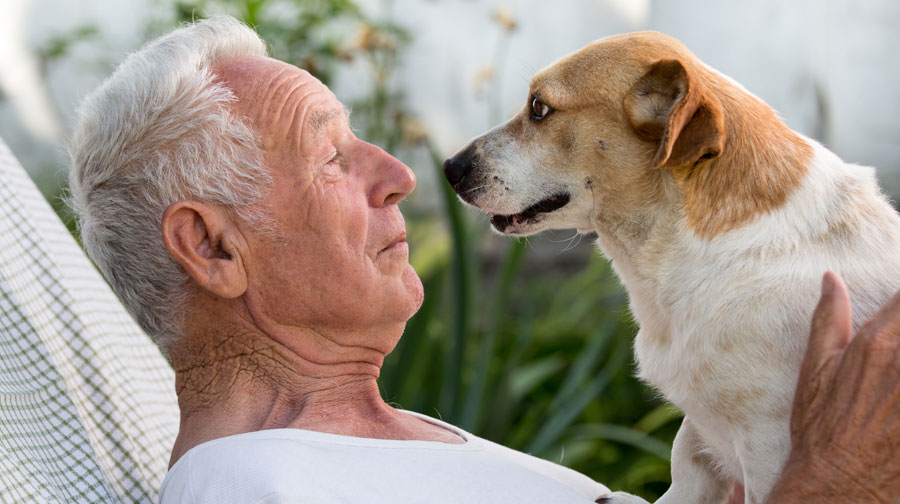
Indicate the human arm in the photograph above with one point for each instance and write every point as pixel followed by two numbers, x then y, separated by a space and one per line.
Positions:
pixel 845 426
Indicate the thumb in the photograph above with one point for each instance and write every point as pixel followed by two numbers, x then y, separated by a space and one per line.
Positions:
pixel 832 323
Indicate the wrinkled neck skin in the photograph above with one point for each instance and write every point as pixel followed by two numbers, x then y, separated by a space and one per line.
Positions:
pixel 233 378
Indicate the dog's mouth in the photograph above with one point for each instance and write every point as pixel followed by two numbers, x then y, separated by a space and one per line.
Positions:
pixel 532 214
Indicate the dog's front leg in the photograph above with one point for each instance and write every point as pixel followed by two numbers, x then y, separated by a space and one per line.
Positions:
pixel 767 446
pixel 694 477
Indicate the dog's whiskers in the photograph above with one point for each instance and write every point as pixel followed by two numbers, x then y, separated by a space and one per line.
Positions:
pixel 573 242
pixel 476 188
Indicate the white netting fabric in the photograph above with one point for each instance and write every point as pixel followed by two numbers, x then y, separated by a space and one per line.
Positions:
pixel 87 403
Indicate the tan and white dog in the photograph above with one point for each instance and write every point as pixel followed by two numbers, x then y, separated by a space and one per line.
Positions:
pixel 720 221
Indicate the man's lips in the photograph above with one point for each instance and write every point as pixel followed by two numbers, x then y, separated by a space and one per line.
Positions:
pixel 398 242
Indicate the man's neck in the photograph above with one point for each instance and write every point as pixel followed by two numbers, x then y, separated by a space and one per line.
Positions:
pixel 245 381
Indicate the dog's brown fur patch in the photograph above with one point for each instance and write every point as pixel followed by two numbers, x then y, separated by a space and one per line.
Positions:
pixel 763 162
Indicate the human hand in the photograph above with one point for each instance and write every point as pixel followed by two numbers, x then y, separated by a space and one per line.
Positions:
pixel 845 426
pixel 737 494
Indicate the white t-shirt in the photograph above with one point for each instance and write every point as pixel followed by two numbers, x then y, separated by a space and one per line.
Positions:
pixel 293 466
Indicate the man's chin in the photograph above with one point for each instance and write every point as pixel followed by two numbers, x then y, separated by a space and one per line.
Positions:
pixel 414 288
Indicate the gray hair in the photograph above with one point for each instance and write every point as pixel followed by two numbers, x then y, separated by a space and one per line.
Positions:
pixel 157 131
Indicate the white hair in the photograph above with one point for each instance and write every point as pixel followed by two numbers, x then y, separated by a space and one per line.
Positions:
pixel 157 131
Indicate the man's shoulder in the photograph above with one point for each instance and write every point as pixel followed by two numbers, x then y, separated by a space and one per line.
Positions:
pixel 243 468
pixel 323 468
pixel 562 474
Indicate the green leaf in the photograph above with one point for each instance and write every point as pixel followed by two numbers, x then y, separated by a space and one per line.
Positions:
pixel 560 419
pixel 625 435
pixel 659 416
pixel 530 375
pixel 498 309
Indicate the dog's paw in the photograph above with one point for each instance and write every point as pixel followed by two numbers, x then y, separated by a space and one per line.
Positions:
pixel 620 498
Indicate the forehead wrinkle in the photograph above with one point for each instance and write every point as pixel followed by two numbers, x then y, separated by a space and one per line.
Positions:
pixel 293 111
pixel 248 91
pixel 276 97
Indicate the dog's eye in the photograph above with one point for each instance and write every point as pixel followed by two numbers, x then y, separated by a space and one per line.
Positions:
pixel 539 109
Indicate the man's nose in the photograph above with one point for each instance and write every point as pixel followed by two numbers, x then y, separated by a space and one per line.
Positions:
pixel 457 167
pixel 393 180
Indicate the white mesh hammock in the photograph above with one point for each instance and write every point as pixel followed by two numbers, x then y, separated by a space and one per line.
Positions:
pixel 87 403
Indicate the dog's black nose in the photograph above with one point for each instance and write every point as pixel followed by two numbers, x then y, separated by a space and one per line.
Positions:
pixel 455 169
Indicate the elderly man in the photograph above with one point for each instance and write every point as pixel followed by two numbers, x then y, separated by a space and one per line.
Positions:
pixel 247 229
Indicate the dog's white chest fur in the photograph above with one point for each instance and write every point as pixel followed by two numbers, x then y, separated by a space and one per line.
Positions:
pixel 724 322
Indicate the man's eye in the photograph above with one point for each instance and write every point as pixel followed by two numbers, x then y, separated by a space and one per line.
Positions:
pixel 539 109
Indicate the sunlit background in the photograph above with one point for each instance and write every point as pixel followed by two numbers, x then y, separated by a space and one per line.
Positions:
pixel 524 342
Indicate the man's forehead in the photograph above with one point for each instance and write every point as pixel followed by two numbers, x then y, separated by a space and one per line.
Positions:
pixel 279 96
pixel 253 66
pixel 253 77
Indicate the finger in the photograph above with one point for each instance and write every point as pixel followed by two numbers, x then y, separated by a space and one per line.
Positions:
pixel 832 323
pixel 737 494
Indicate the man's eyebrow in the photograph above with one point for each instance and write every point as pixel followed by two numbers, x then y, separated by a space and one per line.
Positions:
pixel 320 118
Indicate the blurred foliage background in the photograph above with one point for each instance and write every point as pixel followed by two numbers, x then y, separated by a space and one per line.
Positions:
pixel 532 354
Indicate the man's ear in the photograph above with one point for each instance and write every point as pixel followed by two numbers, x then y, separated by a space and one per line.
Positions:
pixel 208 245
pixel 671 107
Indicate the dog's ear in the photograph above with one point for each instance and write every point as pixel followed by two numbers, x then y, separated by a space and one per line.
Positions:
pixel 671 107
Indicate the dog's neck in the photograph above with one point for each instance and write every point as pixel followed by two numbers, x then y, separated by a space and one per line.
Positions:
pixel 762 164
